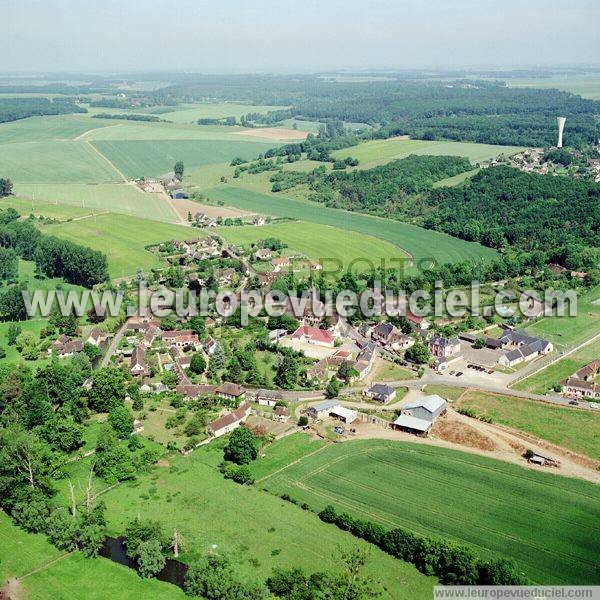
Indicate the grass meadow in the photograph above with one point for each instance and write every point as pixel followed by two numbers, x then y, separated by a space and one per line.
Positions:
pixel 260 532
pixel 421 244
pixel 329 245
pixel 546 523
pixel 73 575
pixel 378 152
pixel 122 238
pixel 577 430
pixel 218 110
pixel 542 382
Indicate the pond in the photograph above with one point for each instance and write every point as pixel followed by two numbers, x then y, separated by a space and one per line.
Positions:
pixel 173 572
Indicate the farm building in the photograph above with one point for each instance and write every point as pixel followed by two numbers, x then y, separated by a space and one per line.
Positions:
pixel 321 410
pixel 380 392
pixel 343 414
pixel 179 194
pixel 314 335
pixel 227 423
pixel 418 416
pixel 282 414
pixel 267 397
pixel 523 347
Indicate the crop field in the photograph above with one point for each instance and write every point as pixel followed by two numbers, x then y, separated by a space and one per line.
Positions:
pixel 541 382
pixel 421 244
pixel 455 179
pixel 577 430
pixel 260 532
pixel 54 162
pixel 378 152
pixel 587 86
pixel 546 523
pixel 28 206
pixel 152 158
pixel 122 238
pixel 73 576
pixel 98 197
pixel 566 332
pixel 328 245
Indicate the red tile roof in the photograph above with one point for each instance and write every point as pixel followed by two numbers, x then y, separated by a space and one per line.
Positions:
pixel 314 333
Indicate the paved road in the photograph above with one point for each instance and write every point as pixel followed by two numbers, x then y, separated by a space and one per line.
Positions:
pixel 112 347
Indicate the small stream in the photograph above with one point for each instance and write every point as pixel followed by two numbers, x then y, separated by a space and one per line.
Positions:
pixel 173 572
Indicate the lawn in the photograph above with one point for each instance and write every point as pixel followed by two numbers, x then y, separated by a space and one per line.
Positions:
pixel 122 238
pixel 388 371
pixel 546 523
pixel 421 244
pixel 74 576
pixel 152 158
pixel 567 332
pixel 12 354
pixel 378 152
pixel 113 197
pixel 326 244
pixel 259 531
pixel 54 162
pixel 577 430
pixel 542 382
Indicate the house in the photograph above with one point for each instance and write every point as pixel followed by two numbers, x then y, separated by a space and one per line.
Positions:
pixel 181 338
pixel 380 392
pixel 523 347
pixel 281 263
pixel 419 416
pixel 65 347
pixel 137 363
pixel 383 332
pixel 193 391
pixel 258 220
pixel 263 254
pixel 418 322
pixel 282 414
pixel 582 383
pixel 210 345
pixel 267 279
pixel 314 335
pixel 96 337
pixel 321 410
pixel 150 336
pixel 267 397
pixel 139 326
pixel 231 391
pixel 227 423
pixel 401 341
pixel 444 347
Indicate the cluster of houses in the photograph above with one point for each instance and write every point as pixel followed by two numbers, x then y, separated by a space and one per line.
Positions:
pixel 66 347
pixel 582 384
pixel 522 347
pixel 361 364
pixel 199 249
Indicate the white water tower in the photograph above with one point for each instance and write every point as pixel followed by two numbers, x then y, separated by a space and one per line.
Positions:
pixel 561 126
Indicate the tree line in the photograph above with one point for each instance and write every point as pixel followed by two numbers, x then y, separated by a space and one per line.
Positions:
pixel 13 109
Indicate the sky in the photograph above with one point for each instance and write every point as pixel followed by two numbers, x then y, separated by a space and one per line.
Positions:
pixel 295 35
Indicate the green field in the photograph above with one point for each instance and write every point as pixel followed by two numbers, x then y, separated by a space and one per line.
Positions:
pixel 152 158
pixel 70 577
pixel 456 179
pixel 542 382
pixel 567 332
pixel 325 244
pixel 577 430
pixel 122 238
pixel 546 523
pixel 587 86
pixel 98 197
pixel 378 152
pixel 219 110
pixel 421 244
pixel 27 206
pixel 259 531
pixel 54 162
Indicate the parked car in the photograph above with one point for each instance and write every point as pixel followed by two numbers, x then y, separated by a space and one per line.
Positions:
pixel 574 402
pixel 491 372
pixel 451 372
pixel 459 373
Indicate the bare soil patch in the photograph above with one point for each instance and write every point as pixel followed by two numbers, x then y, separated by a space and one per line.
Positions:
pixel 184 206
pixel 460 433
pixel 274 133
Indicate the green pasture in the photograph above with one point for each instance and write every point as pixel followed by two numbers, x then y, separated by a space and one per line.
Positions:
pixel 190 113
pixel 546 523
pixel 418 242
pixel 325 244
pixel 378 152
pixel 37 207
pixel 259 531
pixel 71 575
pixel 542 382
pixel 54 162
pixel 122 238
pixel 152 158
pixel 97 197
pixel 455 179
pixel 587 86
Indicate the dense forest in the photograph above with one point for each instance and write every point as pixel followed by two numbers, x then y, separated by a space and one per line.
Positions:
pixel 12 109
pixel 557 216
